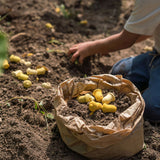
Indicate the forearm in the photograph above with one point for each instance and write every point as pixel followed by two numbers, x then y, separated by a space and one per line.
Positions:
pixel 115 42
pixel 142 38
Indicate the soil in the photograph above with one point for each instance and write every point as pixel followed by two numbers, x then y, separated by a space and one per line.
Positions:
pixel 74 108
pixel 27 132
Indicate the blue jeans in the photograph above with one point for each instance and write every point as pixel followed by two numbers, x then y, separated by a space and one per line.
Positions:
pixel 144 71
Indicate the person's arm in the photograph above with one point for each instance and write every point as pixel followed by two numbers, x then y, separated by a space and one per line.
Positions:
pixel 142 38
pixel 119 41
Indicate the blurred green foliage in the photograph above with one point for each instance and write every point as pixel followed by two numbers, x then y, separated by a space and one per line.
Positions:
pixel 65 12
pixel 3 49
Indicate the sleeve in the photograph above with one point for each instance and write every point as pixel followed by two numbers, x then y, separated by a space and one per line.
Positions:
pixel 144 18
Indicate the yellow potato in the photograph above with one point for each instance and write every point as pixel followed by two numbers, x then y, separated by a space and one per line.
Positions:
pixel 6 64
pixel 97 93
pixel 93 106
pixel 31 71
pixel 41 71
pixel 81 99
pixel 108 98
pixel 23 76
pixel 14 58
pixel 84 22
pixel 109 108
pixel 85 98
pixel 47 85
pixel 16 73
pixel 27 83
pixel 49 25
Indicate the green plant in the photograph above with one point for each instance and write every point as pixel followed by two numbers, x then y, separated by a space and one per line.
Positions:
pixel 3 49
pixel 85 75
pixel 144 146
pixel 37 105
pixel 44 111
pixel 65 12
pixel 76 62
pixel 6 14
pixel 8 104
pixel 3 17
pixel 54 41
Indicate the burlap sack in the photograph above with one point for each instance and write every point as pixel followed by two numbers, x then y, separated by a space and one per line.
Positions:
pixel 121 138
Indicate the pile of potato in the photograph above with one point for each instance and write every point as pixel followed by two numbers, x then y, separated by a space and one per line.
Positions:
pixel 25 77
pixel 97 101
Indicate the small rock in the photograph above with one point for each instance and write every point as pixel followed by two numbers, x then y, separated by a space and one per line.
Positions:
pixel 0 120
pixel 39 88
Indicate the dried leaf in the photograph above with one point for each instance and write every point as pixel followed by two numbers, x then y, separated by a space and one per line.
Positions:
pixel 85 92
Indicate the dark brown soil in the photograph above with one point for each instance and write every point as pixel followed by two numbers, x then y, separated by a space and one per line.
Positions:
pixel 26 133
pixel 74 108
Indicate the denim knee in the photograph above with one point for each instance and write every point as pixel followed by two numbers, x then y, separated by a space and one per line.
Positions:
pixel 152 107
pixel 122 67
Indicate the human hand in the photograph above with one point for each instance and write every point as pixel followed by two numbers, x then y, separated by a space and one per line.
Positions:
pixel 81 51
